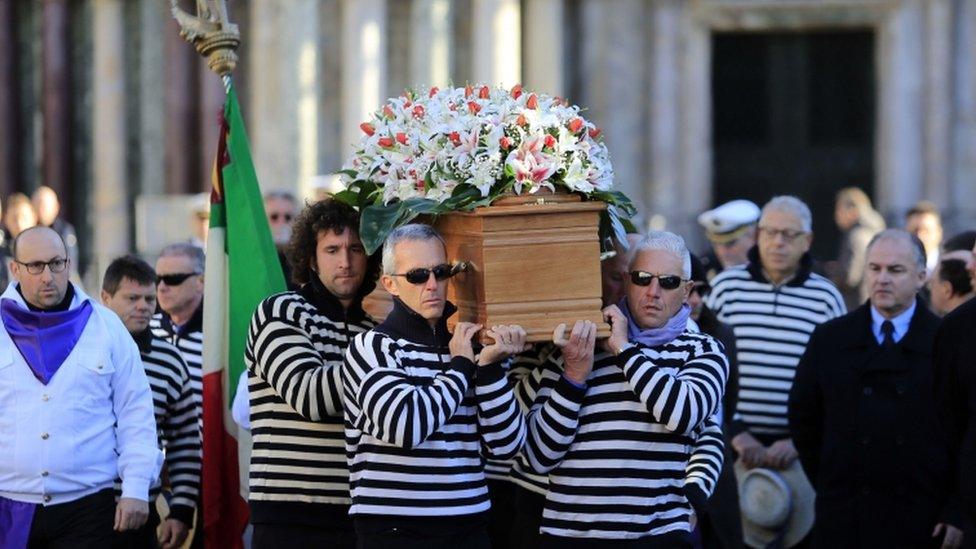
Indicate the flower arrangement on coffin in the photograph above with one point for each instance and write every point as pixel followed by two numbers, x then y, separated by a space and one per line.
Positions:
pixel 435 151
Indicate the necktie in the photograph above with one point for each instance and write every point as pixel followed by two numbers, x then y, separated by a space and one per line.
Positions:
pixel 888 330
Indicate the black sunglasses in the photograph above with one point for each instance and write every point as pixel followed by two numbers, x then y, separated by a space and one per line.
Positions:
pixel 173 279
pixel 422 275
pixel 644 278
pixel 276 216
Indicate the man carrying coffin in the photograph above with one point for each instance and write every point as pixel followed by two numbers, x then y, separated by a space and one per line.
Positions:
pixel 76 412
pixel 422 411
pixel 617 442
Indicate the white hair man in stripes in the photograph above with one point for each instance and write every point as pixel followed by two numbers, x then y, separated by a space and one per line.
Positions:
pixel 129 289
pixel 773 303
pixel 630 439
pixel 423 411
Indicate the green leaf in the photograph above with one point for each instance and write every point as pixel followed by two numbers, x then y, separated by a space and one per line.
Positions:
pixel 376 222
pixel 348 196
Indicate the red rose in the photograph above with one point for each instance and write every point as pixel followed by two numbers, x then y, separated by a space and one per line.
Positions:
pixel 521 121
pixel 367 128
pixel 401 138
pixel 516 91
pixel 433 91
pixel 418 111
pixel 575 125
pixel 484 93
pixel 533 102
pixel 455 138
pixel 474 107
pixel 594 132
pixel 468 90
pixel 388 112
pixel 385 142
pixel 505 142
pixel 550 141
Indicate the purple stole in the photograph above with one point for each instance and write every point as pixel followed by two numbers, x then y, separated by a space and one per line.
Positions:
pixel 44 340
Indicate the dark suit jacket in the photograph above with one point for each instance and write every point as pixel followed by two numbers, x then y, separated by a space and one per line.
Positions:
pixel 955 388
pixel 863 420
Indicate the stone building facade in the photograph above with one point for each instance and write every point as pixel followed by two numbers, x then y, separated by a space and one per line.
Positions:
pixel 102 100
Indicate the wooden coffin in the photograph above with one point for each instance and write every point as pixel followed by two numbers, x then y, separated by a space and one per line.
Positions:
pixel 531 261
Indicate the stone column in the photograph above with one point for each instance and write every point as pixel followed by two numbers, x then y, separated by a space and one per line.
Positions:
pixel 900 130
pixel 962 199
pixel 283 114
pixel 363 65
pixel 181 107
pixel 695 104
pixel 8 172
pixel 663 165
pixel 55 98
pixel 496 35
pixel 938 100
pixel 211 106
pixel 151 83
pixel 430 54
pixel 110 211
pixel 544 51
pixel 331 149
pixel 611 41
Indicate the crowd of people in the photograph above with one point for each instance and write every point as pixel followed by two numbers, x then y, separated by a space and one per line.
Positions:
pixel 746 396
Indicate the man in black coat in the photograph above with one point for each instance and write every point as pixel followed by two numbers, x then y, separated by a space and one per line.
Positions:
pixel 955 390
pixel 863 415
pixel 721 526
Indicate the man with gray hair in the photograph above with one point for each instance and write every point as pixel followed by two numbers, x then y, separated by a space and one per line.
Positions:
pixel 629 438
pixel 423 410
pixel 863 414
pixel 179 292
pixel 772 303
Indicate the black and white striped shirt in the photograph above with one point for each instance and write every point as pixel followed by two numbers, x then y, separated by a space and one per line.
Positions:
pixel 633 452
pixel 176 409
pixel 772 325
pixel 419 423
pixel 295 347
pixel 189 340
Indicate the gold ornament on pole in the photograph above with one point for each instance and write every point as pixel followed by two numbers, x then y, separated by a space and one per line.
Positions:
pixel 213 35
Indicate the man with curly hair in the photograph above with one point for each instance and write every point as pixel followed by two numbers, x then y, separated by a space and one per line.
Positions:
pixel 299 480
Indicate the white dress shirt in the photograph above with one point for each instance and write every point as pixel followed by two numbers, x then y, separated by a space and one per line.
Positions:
pixel 900 323
pixel 91 424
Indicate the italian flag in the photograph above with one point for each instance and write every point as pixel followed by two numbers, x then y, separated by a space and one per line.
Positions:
pixel 242 269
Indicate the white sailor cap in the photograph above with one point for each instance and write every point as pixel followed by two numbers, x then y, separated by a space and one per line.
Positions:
pixel 729 220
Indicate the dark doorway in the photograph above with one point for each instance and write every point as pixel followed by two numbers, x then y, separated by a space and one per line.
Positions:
pixel 793 113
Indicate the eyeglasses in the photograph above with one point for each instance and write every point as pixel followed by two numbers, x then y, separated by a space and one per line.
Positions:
pixel 280 216
pixel 701 289
pixel 422 275
pixel 173 279
pixel 788 235
pixel 644 278
pixel 56 265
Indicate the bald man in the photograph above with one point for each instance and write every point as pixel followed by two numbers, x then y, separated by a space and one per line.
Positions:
pixel 74 417
pixel 48 208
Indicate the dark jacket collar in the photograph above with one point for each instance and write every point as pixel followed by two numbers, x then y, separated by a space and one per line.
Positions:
pixel 405 323
pixel 918 338
pixel 329 305
pixel 195 324
pixel 756 271
pixel 65 304
pixel 143 340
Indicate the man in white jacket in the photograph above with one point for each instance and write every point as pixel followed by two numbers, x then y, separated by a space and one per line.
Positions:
pixel 76 411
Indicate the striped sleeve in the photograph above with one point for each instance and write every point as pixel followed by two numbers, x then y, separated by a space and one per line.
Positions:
pixel 394 407
pixel 500 421
pixel 285 357
pixel 182 435
pixel 552 422
pixel 705 463
pixel 680 401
